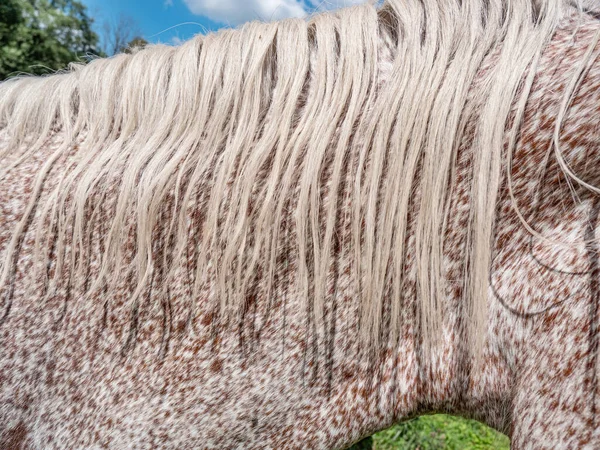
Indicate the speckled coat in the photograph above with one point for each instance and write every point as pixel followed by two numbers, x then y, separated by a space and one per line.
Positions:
pixel 66 383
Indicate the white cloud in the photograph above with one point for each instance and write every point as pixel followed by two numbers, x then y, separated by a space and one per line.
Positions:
pixel 235 12
pixel 168 3
pixel 322 5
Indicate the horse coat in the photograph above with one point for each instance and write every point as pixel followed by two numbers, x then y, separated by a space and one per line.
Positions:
pixel 120 330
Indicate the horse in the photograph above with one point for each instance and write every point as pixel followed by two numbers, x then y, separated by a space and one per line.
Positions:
pixel 294 234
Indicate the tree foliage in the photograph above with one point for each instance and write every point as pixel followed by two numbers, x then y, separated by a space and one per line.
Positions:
pixel 41 36
pixel 137 43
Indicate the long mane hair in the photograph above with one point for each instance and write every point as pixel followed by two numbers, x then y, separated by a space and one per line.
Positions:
pixel 215 143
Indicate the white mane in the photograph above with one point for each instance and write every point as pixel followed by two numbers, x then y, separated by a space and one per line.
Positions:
pixel 217 140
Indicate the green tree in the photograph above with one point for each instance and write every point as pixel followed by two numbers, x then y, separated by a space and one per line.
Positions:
pixel 136 43
pixel 41 36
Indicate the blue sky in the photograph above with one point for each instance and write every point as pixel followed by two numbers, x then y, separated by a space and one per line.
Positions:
pixel 172 21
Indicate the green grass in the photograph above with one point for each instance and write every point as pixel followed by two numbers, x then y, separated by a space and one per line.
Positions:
pixel 437 432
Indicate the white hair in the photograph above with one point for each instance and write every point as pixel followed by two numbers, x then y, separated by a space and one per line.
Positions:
pixel 243 126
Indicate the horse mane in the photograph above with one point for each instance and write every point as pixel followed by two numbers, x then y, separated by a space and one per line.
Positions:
pixel 218 141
